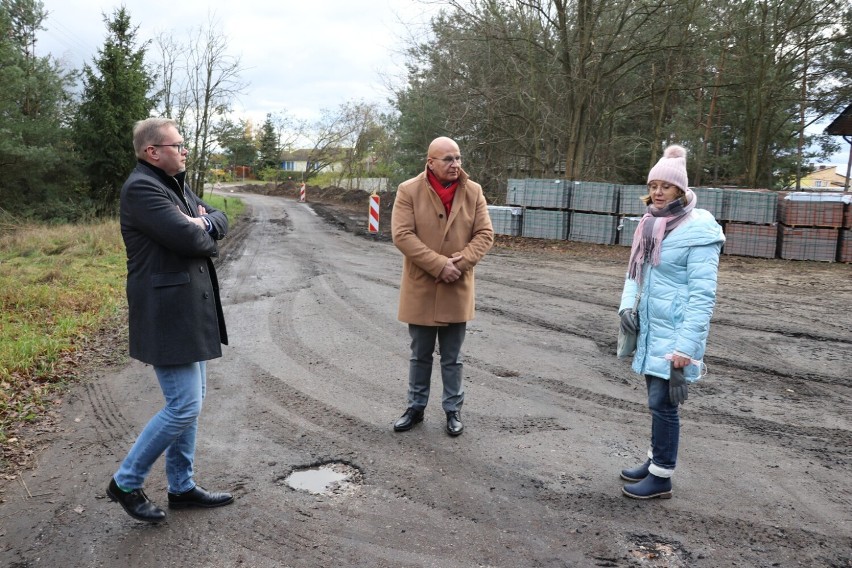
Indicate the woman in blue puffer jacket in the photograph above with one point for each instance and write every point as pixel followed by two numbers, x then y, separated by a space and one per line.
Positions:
pixel 673 266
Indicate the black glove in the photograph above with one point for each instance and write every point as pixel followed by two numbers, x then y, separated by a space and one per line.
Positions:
pixel 629 321
pixel 678 392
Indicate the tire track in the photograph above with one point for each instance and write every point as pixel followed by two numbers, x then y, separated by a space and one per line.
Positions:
pixel 359 438
pixel 836 441
pixel 606 342
pixel 112 425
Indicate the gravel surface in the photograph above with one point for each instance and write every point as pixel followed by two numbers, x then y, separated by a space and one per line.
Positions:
pixel 317 372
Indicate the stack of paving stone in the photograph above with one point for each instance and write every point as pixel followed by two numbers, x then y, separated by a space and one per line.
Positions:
pixel 810 225
pixel 545 224
pixel 750 223
pixel 630 211
pixel 541 193
pixel 515 191
pixel 630 200
pixel 506 220
pixel 756 222
pixel 545 206
pixel 712 199
pixel 626 230
pixel 594 212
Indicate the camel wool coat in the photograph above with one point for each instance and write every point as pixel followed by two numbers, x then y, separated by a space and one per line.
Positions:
pixel 426 237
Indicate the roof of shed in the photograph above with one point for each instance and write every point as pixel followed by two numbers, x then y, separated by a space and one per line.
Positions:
pixel 842 125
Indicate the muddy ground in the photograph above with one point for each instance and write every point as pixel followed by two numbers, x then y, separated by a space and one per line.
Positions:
pixel 316 374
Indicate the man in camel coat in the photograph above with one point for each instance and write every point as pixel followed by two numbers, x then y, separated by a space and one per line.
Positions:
pixel 441 225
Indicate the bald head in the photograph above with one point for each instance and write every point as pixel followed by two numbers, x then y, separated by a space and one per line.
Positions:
pixel 444 159
pixel 443 144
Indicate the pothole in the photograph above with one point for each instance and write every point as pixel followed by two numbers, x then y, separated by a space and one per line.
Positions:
pixel 332 478
pixel 654 551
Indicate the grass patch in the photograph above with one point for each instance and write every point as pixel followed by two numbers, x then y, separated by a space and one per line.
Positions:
pixel 60 286
pixel 232 206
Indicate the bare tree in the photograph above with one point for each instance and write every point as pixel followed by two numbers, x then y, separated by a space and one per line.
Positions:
pixel 174 103
pixel 200 82
pixel 214 83
pixel 333 137
pixel 534 85
pixel 589 90
pixel 361 127
pixel 288 130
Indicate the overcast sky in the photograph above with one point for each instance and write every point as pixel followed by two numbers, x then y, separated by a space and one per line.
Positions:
pixel 299 57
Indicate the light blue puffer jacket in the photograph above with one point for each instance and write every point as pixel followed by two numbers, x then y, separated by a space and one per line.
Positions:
pixel 678 297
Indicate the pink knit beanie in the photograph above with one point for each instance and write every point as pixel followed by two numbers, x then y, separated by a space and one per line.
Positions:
pixel 671 168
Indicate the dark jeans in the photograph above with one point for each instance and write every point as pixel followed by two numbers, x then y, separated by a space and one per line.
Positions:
pixel 665 427
pixel 450 339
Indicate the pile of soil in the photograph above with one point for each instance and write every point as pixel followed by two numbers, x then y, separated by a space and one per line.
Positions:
pixel 313 193
pixel 347 208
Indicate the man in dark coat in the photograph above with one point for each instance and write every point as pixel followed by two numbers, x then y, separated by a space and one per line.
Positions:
pixel 175 314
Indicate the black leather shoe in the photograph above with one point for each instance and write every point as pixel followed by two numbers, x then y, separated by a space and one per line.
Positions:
pixel 409 418
pixel 199 497
pixel 135 503
pixel 454 423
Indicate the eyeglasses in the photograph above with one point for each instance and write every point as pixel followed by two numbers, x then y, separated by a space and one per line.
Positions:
pixel 450 159
pixel 180 147
pixel 663 187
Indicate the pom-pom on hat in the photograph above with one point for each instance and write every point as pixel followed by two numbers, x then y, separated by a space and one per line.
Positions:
pixel 671 168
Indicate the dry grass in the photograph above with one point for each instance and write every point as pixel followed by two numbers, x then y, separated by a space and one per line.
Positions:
pixel 59 285
pixel 62 310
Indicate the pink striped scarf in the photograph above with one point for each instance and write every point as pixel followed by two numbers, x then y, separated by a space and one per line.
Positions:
pixel 652 229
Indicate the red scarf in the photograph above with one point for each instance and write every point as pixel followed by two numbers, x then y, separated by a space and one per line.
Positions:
pixel 445 193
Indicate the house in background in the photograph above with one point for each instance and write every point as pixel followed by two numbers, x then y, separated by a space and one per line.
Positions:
pixel 824 178
pixel 297 162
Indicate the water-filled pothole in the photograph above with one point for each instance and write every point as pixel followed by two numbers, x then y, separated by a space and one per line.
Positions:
pixel 333 478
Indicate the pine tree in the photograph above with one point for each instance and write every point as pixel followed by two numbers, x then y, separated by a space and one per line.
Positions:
pixel 269 154
pixel 38 170
pixel 116 95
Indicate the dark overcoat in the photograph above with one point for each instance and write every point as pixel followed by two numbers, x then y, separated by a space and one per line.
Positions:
pixel 175 312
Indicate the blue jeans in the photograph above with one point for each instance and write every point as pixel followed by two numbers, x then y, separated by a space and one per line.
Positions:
pixel 172 430
pixel 450 339
pixel 665 427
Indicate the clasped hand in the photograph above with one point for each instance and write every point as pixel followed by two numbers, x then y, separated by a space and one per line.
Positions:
pixel 450 273
pixel 197 221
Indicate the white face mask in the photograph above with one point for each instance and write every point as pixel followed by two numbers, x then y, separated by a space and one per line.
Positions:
pixel 702 368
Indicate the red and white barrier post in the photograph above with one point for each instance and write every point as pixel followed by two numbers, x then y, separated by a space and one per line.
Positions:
pixel 374 213
pixel 302 193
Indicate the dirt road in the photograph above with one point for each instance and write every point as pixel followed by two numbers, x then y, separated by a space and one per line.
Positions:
pixel 316 373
